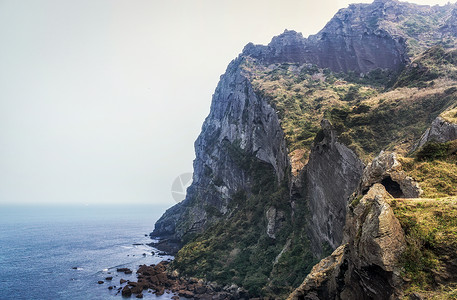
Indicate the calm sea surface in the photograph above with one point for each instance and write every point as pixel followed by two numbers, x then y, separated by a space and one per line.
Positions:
pixel 40 246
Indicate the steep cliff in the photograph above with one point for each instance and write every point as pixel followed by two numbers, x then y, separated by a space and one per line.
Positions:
pixel 332 174
pixel 283 149
pixel 242 128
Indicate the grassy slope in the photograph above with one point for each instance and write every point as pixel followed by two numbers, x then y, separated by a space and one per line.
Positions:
pixel 370 115
pixel 431 230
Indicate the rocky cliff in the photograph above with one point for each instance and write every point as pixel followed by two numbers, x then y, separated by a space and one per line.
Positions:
pixel 279 177
pixel 332 174
pixel 241 126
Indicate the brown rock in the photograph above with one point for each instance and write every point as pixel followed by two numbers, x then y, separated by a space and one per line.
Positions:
pixel 199 289
pixel 123 270
pixel 109 278
pixel 122 281
pixel 100 282
pixel 185 293
pixel 160 291
pixel 137 289
pixel 140 295
pixel 126 291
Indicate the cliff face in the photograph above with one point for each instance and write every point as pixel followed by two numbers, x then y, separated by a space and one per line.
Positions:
pixel 364 37
pixel 240 124
pixel 332 174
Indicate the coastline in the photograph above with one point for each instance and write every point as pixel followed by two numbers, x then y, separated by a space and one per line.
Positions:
pixel 160 279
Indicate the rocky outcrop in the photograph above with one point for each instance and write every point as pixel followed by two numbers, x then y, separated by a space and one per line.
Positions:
pixel 274 219
pixel 332 174
pixel 241 128
pixel 386 169
pixel 440 131
pixel 351 41
pixel 366 266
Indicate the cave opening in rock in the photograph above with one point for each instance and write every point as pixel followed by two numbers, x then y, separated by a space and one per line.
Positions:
pixel 392 187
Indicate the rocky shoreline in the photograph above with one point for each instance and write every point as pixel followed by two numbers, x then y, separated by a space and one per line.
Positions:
pixel 159 279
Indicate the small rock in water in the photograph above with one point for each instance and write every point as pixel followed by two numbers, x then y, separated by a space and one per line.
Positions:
pixel 126 291
pixel 144 254
pixel 125 270
pixel 122 281
pixel 110 287
pixel 145 235
pixel 140 295
pixel 100 282
pixel 109 278
pixel 75 268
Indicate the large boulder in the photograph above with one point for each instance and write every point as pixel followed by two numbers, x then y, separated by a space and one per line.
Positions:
pixel 367 265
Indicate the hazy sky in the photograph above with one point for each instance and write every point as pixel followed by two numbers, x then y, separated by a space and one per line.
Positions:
pixel 101 100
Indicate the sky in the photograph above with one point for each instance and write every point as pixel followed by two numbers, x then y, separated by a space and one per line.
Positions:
pixel 101 100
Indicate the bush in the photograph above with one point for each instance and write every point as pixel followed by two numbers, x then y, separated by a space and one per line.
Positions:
pixel 432 151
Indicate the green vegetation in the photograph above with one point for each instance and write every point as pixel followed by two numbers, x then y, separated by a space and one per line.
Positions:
pixel 371 113
pixel 435 169
pixel 431 228
pixel 238 250
pixel 420 29
pixel 434 63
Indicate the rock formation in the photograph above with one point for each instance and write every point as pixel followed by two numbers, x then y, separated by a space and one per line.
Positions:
pixel 294 217
pixel 366 265
pixel 240 125
pixel 440 131
pixel 332 174
pixel 386 169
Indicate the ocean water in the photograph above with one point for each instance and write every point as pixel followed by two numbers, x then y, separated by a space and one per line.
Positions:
pixel 40 246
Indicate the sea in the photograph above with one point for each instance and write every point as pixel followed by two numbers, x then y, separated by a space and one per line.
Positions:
pixel 61 252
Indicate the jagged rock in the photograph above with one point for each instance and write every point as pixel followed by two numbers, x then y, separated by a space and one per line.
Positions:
pixel 366 266
pixel 331 176
pixel 374 234
pixel 386 169
pixel 440 131
pixel 345 44
pixel 240 121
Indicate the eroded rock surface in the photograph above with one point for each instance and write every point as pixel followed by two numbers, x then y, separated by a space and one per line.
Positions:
pixel 366 265
pixel 332 174
pixel 386 169
pixel 440 131
pixel 241 126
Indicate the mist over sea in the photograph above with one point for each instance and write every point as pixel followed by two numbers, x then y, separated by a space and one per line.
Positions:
pixel 40 246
